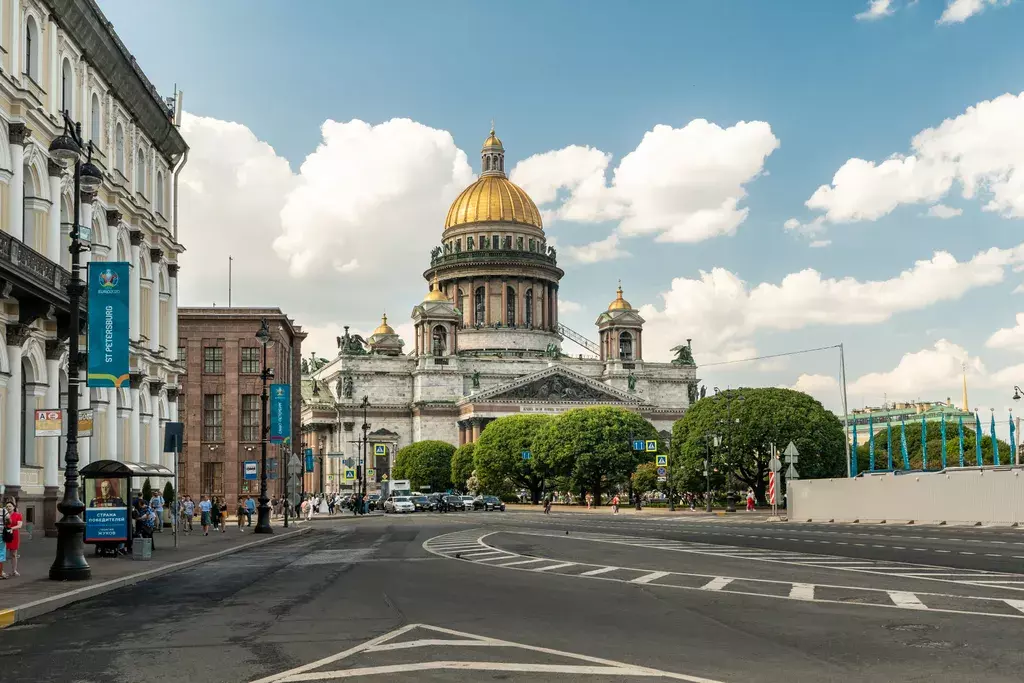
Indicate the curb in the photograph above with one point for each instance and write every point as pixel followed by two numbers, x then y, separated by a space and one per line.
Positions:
pixel 55 602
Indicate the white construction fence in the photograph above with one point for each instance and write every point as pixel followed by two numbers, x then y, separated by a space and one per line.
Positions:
pixel 969 495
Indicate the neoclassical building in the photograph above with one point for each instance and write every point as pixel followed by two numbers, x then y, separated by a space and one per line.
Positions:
pixel 64 55
pixel 487 342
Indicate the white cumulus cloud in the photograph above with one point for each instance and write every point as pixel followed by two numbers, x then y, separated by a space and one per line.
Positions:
pixel 566 306
pixel 938 369
pixel 1011 338
pixel 876 10
pixel 595 252
pixel 959 11
pixel 943 211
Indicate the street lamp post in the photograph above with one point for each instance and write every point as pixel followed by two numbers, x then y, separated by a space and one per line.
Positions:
pixel 362 477
pixel 69 563
pixel 708 440
pixel 730 496
pixel 263 511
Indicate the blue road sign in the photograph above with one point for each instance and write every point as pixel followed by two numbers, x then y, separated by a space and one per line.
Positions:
pixel 251 469
pixel 638 445
pixel 652 446
pixel 662 472
pixel 527 455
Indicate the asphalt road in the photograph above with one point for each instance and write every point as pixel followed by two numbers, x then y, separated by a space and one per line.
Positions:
pixel 523 597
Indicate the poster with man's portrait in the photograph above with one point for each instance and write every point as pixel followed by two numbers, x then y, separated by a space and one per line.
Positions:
pixel 107 494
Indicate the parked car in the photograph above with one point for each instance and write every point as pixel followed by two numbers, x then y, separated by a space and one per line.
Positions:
pixel 399 504
pixel 435 501
pixel 455 502
pixel 488 503
pixel 421 503
pixel 467 502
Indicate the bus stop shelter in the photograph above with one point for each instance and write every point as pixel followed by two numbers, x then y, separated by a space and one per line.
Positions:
pixel 106 490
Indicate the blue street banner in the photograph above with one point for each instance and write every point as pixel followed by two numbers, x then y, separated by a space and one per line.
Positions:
pixel 280 413
pixel 995 442
pixel 1013 441
pixel 942 430
pixel 251 470
pixel 853 464
pixel 977 438
pixel 309 460
pixel 106 524
pixel 924 444
pixel 871 443
pixel 961 441
pixel 903 443
pixel 108 323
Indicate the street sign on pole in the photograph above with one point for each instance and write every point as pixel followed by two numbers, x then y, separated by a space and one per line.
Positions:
pixel 775 465
pixel 527 455
pixel 661 460
pixel 791 452
pixel 294 463
pixel 791 472
pixel 638 445
pixel 251 469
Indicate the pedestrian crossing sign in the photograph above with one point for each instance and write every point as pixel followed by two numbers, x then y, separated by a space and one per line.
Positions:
pixel 652 445
pixel 380 449
pixel 661 460
pixel 371 473
pixel 350 475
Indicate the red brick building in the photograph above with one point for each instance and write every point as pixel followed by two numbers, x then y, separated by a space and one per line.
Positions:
pixel 219 401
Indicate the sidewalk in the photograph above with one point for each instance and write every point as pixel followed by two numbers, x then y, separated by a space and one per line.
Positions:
pixel 681 511
pixel 33 593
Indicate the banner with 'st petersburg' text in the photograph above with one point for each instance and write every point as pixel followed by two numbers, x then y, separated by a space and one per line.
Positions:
pixel 108 323
pixel 280 413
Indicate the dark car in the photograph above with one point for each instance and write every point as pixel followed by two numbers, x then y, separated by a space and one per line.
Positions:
pixel 373 502
pixel 488 503
pixel 455 502
pixel 421 503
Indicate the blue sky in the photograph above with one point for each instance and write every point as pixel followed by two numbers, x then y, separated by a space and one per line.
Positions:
pixel 602 74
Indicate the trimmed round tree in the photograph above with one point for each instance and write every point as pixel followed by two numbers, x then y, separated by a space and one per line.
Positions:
pixel 594 446
pixel 498 456
pixel 462 465
pixel 425 463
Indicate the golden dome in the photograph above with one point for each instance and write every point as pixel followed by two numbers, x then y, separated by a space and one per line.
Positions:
pixel 493 198
pixel 492 141
pixel 435 293
pixel 384 328
pixel 620 304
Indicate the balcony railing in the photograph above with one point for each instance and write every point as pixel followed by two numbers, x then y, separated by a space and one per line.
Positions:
pixel 439 257
pixel 33 267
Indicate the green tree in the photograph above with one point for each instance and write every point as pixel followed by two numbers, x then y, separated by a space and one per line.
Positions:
pixel 593 446
pixel 934 446
pixel 645 477
pixel 425 463
pixel 749 426
pixel 498 458
pixel 147 490
pixel 462 465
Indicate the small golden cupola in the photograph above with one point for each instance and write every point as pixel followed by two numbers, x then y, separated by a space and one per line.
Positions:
pixel 619 304
pixel 435 293
pixel 384 328
pixel 621 331
pixel 384 340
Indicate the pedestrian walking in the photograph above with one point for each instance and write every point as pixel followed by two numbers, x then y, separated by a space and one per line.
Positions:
pixel 11 524
pixel 250 509
pixel 156 504
pixel 189 510
pixel 750 500
pixel 590 501
pixel 615 504
pixel 241 514
pixel 205 514
pixel 547 505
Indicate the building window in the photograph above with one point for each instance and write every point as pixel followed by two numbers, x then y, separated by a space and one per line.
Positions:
pixel 461 299
pixel 140 173
pixel 213 417
pixel 96 119
pixel 528 313
pixel 519 243
pixel 439 346
pixel 469 243
pixel 533 245
pixel 250 359
pixel 213 478
pixel 496 242
pixel 213 360
pixel 251 417
pixel 67 82
pixel 182 354
pixel 625 346
pixel 32 49
pixel 510 306
pixel 160 193
pixel 119 148
pixel 478 306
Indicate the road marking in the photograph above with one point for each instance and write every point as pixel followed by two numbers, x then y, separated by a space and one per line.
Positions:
pixel 906 600
pixel 555 566
pixel 599 571
pixel 1016 604
pixel 513 564
pixel 716 584
pixel 647 578
pixel 802 591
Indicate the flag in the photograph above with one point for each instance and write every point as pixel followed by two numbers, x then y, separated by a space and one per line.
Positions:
pixel 888 440
pixel 871 443
pixel 853 464
pixel 903 442
pixel 977 437
pixel 995 443
pixel 924 444
pixel 942 431
pixel 1013 440
pixel 961 441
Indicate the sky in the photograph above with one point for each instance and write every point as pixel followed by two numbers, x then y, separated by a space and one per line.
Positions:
pixel 763 177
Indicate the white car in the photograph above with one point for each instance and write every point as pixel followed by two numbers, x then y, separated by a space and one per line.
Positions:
pixel 399 504
pixel 467 503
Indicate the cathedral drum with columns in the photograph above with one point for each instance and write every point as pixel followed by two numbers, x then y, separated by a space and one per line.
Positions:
pixel 487 344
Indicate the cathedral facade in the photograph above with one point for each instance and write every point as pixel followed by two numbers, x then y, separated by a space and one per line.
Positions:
pixel 487 343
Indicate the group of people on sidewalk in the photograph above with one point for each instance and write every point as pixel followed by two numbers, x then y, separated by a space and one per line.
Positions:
pixel 11 523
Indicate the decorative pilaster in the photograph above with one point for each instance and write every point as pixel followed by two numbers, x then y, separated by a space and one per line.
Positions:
pixel 133 449
pixel 155 442
pixel 16 337
pixel 135 292
pixel 17 134
pixel 172 312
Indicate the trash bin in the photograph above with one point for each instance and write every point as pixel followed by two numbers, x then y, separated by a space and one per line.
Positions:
pixel 142 549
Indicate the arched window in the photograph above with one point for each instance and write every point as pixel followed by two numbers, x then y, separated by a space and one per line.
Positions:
pixel 140 173
pixel 461 299
pixel 159 192
pixel 510 306
pixel 528 317
pixel 119 149
pixel 95 119
pixel 439 341
pixel 469 243
pixel 625 346
pixel 67 83
pixel 478 306
pixel 32 49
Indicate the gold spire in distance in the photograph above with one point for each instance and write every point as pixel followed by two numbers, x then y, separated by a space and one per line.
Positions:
pixel 384 328
pixel 435 293
pixel 963 366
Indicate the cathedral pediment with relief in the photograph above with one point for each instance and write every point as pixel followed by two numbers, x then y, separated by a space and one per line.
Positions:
pixel 555 385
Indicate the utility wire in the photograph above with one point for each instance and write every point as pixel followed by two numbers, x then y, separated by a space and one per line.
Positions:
pixel 774 355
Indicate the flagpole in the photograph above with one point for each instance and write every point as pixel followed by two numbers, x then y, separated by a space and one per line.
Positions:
pixel 846 412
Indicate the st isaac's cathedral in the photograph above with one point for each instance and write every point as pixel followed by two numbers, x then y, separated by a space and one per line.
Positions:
pixel 487 343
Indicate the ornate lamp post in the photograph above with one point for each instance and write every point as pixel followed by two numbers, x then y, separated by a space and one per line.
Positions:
pixel 362 494
pixel 730 497
pixel 263 511
pixel 69 563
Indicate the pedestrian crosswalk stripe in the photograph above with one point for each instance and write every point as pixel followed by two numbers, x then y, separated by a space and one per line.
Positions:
pixel 561 565
pixel 1016 604
pixel 716 584
pixel 647 578
pixel 599 571
pixel 802 591
pixel 908 600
